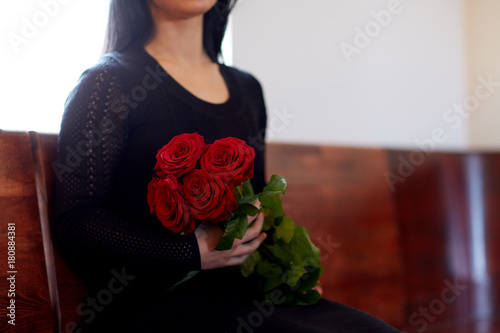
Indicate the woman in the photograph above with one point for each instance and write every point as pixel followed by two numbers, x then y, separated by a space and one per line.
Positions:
pixel 160 78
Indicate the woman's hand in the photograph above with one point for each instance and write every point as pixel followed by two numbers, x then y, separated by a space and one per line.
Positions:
pixel 318 289
pixel 208 236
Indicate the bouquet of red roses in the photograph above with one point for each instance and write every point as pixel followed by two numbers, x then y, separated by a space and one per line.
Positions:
pixel 209 183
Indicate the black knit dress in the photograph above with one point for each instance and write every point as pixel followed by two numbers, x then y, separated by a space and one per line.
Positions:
pixel 121 113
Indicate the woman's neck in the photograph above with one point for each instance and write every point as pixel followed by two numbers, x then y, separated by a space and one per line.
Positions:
pixel 179 41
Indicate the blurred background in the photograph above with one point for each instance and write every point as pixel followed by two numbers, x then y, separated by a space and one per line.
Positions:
pixel 389 73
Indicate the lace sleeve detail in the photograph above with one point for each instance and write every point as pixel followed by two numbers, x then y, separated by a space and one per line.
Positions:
pixel 92 140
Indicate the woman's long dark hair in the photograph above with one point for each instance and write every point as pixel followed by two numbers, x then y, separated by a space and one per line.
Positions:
pixel 130 25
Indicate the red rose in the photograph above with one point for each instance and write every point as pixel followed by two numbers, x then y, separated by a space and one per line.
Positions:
pixel 180 155
pixel 229 158
pixel 208 197
pixel 165 199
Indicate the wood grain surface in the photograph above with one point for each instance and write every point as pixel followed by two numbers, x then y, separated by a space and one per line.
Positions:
pixel 422 252
pixel 341 197
pixel 68 288
pixel 33 311
pixel 448 215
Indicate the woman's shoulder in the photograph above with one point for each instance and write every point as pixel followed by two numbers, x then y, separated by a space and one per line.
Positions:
pixel 248 80
pixel 113 74
pixel 113 66
pixel 106 72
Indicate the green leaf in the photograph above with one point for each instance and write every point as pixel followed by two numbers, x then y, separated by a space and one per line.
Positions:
pixel 272 272
pixel 247 209
pixel 278 220
pixel 238 193
pixel 268 269
pixel 269 197
pixel 266 253
pixel 272 283
pixel 268 219
pixel 285 229
pixel 248 266
pixel 288 261
pixel 226 241
pixel 297 255
pixel 276 185
pixel 248 200
pixel 301 246
pixel 188 276
pixel 282 252
pixel 308 298
pixel 241 226
pixel 273 202
pixel 310 279
pixel 294 274
pixel 247 189
pixel 234 229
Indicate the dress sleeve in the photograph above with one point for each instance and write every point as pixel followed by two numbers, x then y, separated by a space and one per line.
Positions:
pixel 92 141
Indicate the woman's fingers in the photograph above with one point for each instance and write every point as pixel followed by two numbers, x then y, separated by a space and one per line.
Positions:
pixel 253 218
pixel 233 261
pixel 257 203
pixel 255 229
pixel 246 249
pixel 209 235
pixel 318 289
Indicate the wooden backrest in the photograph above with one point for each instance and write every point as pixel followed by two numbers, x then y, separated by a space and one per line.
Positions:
pixel 414 232
pixel 70 289
pixel 448 211
pixel 29 289
pixel 341 197
pixel 47 291
pixel 430 240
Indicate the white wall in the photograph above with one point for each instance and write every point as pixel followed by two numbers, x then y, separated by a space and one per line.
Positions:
pixel 483 29
pixel 45 46
pixel 393 93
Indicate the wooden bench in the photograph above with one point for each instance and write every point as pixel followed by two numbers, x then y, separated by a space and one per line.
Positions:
pixel 420 251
